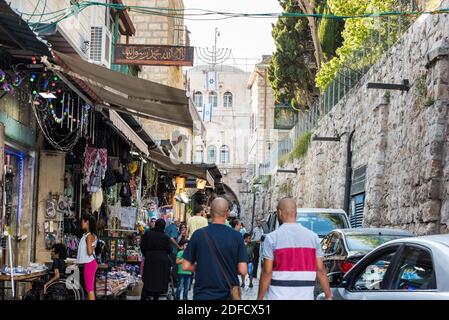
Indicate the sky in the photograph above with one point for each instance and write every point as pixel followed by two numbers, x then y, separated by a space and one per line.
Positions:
pixel 247 37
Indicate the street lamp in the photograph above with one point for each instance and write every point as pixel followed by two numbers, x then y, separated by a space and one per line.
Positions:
pixel 295 171
pixel 348 177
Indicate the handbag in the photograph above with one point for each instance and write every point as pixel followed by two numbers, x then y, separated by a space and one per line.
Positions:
pixel 234 291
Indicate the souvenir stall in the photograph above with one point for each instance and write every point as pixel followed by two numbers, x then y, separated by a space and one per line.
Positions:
pixel 103 176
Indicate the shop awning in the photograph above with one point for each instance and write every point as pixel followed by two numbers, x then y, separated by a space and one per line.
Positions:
pixel 130 94
pixel 16 36
pixel 205 172
pixel 128 132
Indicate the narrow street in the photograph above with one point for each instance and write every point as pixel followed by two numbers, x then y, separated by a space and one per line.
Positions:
pixel 143 141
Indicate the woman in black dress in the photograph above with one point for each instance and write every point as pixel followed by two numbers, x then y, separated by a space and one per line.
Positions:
pixel 155 246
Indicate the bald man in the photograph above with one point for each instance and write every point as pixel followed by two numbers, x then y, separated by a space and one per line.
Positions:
pixel 292 260
pixel 217 255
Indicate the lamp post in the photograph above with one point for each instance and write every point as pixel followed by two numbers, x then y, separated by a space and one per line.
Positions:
pixel 348 174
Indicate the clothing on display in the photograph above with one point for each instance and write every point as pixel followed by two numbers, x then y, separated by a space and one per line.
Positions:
pixel 95 166
pixel 97 200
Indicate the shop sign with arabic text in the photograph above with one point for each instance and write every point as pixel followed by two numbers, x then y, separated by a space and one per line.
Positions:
pixel 156 55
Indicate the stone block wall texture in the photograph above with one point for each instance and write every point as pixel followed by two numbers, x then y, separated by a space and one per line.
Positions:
pixel 157 30
pixel 403 138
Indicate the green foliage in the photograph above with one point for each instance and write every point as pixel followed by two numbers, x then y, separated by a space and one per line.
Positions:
pixel 355 33
pixel 283 189
pixel 299 150
pixel 301 146
pixel 421 87
pixel 329 32
pixel 266 181
pixel 292 69
pixel 282 161
pixel 422 93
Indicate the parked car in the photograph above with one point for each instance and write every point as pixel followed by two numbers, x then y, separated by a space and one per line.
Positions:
pixel 320 221
pixel 402 269
pixel 343 248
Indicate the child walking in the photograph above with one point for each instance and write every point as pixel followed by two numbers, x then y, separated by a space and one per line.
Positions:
pixel 183 276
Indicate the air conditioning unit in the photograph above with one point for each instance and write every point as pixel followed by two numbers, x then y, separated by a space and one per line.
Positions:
pixel 100 46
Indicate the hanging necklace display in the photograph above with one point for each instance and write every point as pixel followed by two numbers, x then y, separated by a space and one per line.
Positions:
pixel 61 114
pixel 56 116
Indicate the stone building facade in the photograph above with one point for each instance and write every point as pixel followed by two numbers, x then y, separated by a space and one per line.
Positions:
pixel 400 141
pixel 162 30
pixel 264 139
pixel 228 129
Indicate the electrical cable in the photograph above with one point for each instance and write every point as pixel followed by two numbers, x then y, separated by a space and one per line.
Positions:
pixel 185 13
pixel 35 9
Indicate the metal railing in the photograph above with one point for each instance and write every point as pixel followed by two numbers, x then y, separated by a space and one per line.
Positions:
pixel 385 32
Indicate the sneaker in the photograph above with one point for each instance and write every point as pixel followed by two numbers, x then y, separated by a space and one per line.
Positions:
pixel 251 285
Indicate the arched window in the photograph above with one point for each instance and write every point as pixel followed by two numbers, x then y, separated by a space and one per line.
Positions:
pixel 198 99
pixel 211 154
pixel 199 154
pixel 213 99
pixel 224 154
pixel 227 99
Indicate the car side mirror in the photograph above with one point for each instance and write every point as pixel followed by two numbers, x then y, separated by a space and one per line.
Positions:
pixel 335 279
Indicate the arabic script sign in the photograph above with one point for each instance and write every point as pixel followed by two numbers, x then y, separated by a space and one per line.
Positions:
pixel 155 55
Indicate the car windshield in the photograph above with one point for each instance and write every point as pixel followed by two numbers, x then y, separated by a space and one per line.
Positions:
pixel 367 242
pixel 322 222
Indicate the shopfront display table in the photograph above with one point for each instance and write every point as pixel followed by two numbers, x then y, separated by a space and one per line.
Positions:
pixel 19 278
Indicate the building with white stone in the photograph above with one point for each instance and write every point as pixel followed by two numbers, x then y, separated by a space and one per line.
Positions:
pixel 221 97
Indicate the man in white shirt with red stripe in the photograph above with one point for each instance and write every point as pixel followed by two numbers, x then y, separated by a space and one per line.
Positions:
pixel 292 260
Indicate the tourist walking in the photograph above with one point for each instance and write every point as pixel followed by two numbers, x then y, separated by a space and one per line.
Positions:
pixel 249 245
pixel 242 229
pixel 196 222
pixel 155 247
pixel 257 238
pixel 217 255
pixel 183 276
pixel 172 231
pixel 236 225
pixel 182 237
pixel 292 260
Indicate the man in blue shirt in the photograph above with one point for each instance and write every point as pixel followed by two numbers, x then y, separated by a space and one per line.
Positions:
pixel 217 255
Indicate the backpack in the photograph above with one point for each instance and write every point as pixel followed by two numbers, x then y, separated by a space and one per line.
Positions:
pixel 100 250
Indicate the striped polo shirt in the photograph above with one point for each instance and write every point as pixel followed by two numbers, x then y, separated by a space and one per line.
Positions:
pixel 294 250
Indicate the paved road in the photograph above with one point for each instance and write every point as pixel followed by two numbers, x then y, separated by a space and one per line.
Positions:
pixel 247 293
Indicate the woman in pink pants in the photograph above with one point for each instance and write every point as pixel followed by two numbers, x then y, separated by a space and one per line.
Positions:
pixel 86 250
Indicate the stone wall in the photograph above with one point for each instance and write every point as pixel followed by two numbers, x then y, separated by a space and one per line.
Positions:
pixel 402 137
pixel 154 29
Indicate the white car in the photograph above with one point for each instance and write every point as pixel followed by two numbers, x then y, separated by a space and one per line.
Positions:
pixel 402 269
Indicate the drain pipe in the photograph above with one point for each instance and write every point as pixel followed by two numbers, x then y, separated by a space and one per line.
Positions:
pixel 348 180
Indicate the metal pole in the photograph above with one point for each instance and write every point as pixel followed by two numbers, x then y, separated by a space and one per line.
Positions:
pixel 333 94
pixel 254 210
pixel 139 195
pixel 11 266
pixel 389 27
pixel 348 180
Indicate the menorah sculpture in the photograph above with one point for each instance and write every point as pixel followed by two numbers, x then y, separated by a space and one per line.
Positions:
pixel 213 56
